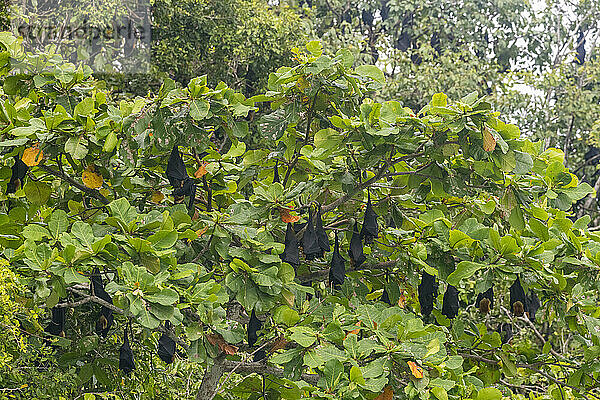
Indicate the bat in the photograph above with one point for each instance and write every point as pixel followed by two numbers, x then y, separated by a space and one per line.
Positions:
pixel 506 332
pixel 428 291
pixel 518 301
pixel 369 229
pixel 19 170
pixel 355 252
pixel 254 325
pixel 105 318
pixel 337 270
pixel 56 326
pixel 532 305
pixel 166 347
pixel 485 301
pixel 310 241
pixel 450 303
pixel 179 178
pixel 322 237
pixel 291 252
pixel 275 173
pixel 126 362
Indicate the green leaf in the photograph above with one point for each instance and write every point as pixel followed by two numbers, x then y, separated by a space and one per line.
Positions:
pixel 76 147
pixel 165 297
pixel 356 375
pixel 37 192
pixel 579 192
pixel 333 371
pixel 303 335
pixel 199 109
pixel 58 223
pixel 489 394
pixel 440 393
pixel 163 239
pixel 371 71
pixel 459 239
pixel 464 270
pixel 439 100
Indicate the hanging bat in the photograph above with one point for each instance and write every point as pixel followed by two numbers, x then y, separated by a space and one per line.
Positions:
pixel 518 300
pixel 254 325
pixel 56 326
pixel 179 178
pixel 322 237
pixel 385 297
pixel 310 241
pixel 19 170
pixel 337 270
pixel 355 252
pixel 485 301
pixel 450 303
pixel 291 252
pixel 166 347
pixel 428 291
pixel 369 229
pixel 126 362
pixel 105 318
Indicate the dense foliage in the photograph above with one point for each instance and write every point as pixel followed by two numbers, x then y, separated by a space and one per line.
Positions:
pixel 456 198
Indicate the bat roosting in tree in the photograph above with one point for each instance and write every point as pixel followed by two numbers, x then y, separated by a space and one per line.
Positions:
pixel 355 252
pixel 126 363
pixel 506 332
pixel 105 318
pixel 179 178
pixel 450 305
pixel 275 174
pixel 337 270
pixel 310 241
pixel 166 346
pixel 532 305
pixel 518 301
pixel 485 301
pixel 369 229
pixel 255 325
pixel 428 291
pixel 19 170
pixel 291 252
pixel 56 326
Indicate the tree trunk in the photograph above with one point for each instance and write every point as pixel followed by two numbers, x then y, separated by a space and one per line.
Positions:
pixel 211 379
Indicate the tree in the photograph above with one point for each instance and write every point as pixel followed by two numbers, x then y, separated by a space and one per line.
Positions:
pixel 420 201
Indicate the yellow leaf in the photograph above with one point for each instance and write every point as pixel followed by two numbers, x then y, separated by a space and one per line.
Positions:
pixel 284 213
pixel 388 394
pixel 489 143
pixel 157 197
pixel 201 232
pixel 415 369
pixel 91 179
pixel 32 156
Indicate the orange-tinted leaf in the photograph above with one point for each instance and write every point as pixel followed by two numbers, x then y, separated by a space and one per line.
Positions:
pixel 32 156
pixel 157 197
pixel 401 300
pixel 489 143
pixel 91 179
pixel 201 171
pixel 284 213
pixel 202 231
pixel 387 394
pixel 217 340
pixel 415 369
pixel 354 331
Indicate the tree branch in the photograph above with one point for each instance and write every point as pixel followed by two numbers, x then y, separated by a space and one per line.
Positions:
pixel 92 192
pixel 260 368
pixel 320 275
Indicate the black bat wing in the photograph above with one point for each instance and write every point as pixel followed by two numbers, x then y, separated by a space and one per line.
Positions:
pixel 356 248
pixel 310 241
pixel 291 253
pixel 517 293
pixel 126 362
pixel 166 348
pixel 427 293
pixel 369 229
pixel 254 325
pixel 176 172
pixel 337 270
pixel 450 304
